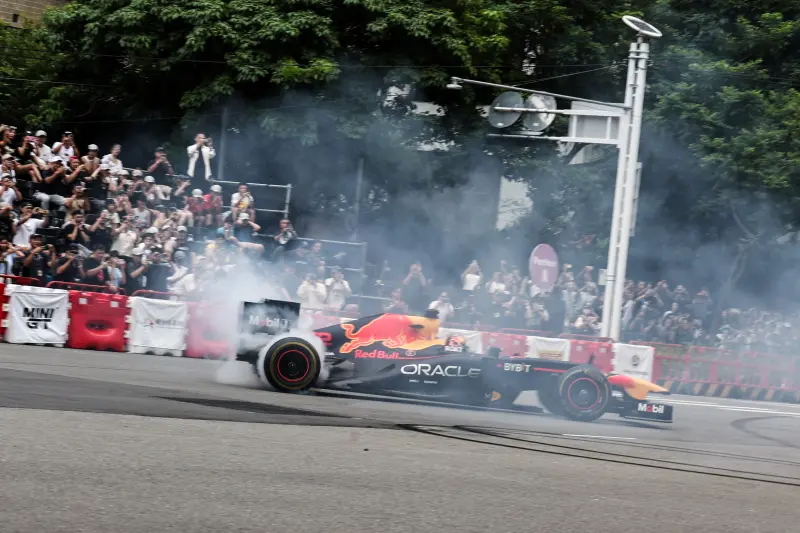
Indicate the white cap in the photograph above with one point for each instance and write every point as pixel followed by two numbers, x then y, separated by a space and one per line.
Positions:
pixel 41 133
pixel 197 193
pixel 149 179
pixel 93 147
pixel 216 188
pixel 139 250
pixel 123 172
pixel 6 175
pixel 182 228
pixel 104 166
pixel 137 173
pixel 151 230
pixel 244 216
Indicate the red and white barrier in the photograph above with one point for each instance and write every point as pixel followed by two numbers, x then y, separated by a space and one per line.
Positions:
pixel 157 326
pixel 634 360
pixel 158 323
pixel 36 315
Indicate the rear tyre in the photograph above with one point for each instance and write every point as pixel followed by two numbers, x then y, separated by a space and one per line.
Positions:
pixel 548 397
pixel 289 365
pixel 583 393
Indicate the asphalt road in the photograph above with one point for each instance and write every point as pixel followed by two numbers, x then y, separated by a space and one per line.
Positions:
pixel 100 442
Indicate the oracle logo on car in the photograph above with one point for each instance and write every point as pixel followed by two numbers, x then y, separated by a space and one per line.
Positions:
pixel 376 354
pixel 453 371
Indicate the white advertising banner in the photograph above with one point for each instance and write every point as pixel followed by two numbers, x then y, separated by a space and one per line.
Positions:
pixel 547 348
pixel 474 339
pixel 37 315
pixel 157 326
pixel 634 360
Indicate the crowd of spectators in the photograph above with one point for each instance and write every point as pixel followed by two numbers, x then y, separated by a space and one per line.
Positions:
pixel 79 217
pixel 652 312
pixel 75 216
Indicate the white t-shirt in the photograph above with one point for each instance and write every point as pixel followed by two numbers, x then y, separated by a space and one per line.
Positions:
pixel 338 291
pixel 65 153
pixel 240 202
pixel 113 167
pixel 471 281
pixel 9 196
pixel 445 309
pixel 124 243
pixel 24 231
pixel 45 153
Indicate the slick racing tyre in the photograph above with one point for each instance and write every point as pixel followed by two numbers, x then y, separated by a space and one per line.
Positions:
pixel 289 365
pixel 548 397
pixel 583 393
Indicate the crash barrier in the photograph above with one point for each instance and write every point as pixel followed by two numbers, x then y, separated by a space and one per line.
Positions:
pixel 157 326
pixel 98 321
pixel 707 371
pixel 8 281
pixel 210 332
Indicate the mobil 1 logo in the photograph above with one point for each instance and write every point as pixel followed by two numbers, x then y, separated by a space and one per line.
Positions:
pixel 653 408
pixel 270 317
pixel 38 317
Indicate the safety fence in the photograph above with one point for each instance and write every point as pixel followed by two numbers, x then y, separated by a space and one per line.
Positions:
pixel 80 316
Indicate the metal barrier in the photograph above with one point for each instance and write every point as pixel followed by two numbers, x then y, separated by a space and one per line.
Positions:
pixel 155 294
pixel 718 366
pixel 20 280
pixel 92 288
pixel 287 198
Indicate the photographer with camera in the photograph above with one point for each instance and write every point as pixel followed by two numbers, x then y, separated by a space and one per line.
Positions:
pixel 161 170
pixel 76 232
pixel 39 260
pixel 203 147
pixel 284 240
pixel 9 193
pixel 31 219
pixel 69 265
pixel 158 270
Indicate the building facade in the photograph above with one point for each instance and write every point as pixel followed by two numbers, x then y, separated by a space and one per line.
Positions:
pixel 15 12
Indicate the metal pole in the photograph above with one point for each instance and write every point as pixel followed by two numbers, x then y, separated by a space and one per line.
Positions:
pixel 357 203
pixel 609 304
pixel 641 55
pixel 288 200
pixel 223 144
pixel 532 91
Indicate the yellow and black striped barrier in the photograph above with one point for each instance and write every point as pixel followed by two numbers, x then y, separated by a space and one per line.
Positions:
pixel 727 390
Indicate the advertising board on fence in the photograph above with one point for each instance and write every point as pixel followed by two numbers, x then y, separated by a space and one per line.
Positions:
pixel 546 348
pixel 634 360
pixel 158 326
pixel 474 339
pixel 37 315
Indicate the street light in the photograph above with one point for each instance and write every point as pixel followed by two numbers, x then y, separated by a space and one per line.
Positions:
pixel 594 122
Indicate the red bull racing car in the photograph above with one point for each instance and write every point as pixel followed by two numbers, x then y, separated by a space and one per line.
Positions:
pixel 402 355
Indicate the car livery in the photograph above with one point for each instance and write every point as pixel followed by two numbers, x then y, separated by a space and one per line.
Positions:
pixel 401 355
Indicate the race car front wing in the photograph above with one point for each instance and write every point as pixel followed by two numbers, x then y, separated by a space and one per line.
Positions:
pixel 647 410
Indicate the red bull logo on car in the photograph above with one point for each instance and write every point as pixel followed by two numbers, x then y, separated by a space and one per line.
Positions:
pixel 393 331
pixel 376 354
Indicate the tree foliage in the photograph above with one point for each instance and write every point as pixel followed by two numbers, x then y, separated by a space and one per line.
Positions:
pixel 307 85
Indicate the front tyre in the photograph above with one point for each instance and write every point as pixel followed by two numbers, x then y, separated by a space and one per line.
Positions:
pixel 289 365
pixel 584 393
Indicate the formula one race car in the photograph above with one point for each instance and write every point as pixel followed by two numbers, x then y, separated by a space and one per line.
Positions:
pixel 401 355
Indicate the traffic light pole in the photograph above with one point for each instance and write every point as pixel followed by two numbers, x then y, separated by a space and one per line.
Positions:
pixel 627 141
